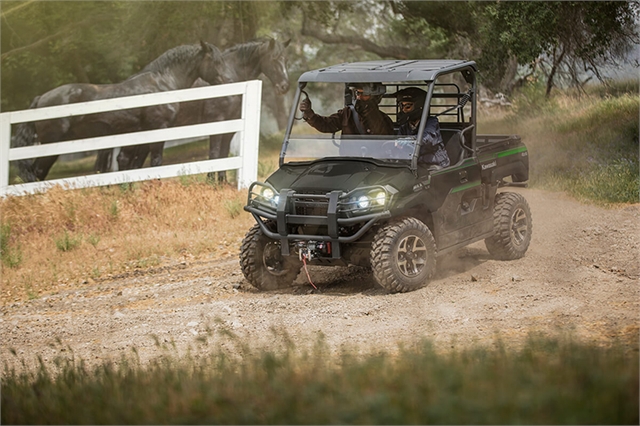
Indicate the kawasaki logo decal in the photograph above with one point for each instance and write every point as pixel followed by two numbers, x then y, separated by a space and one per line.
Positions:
pixel 489 165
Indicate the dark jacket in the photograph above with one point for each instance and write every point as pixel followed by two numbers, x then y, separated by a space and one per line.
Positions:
pixel 432 150
pixel 374 123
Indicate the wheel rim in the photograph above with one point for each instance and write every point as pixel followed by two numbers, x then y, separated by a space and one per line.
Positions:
pixel 412 256
pixel 519 225
pixel 272 259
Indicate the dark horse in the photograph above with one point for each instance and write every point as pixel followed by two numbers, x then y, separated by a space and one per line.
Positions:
pixel 177 68
pixel 248 60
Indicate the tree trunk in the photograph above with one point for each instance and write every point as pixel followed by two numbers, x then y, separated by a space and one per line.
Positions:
pixel 508 81
pixel 554 69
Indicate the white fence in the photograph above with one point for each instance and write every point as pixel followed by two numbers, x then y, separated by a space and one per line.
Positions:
pixel 246 162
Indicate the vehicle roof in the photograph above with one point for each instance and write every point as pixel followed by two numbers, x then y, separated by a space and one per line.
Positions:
pixel 386 71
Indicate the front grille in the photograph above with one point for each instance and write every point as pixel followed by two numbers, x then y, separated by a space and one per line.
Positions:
pixel 306 207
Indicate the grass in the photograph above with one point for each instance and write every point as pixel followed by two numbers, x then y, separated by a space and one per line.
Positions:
pixel 10 253
pixel 67 242
pixel 59 239
pixel 547 381
pixel 585 145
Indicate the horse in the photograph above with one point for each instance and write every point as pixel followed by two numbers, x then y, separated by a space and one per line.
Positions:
pixel 177 68
pixel 248 60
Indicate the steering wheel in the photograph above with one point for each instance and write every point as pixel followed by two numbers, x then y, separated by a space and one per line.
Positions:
pixel 394 151
pixel 390 149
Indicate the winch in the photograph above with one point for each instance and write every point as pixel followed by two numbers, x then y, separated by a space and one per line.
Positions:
pixel 309 250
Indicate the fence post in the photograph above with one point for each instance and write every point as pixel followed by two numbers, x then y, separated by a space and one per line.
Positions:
pixel 114 159
pixel 5 145
pixel 251 104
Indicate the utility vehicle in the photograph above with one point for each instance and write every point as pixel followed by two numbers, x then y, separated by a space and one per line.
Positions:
pixel 366 200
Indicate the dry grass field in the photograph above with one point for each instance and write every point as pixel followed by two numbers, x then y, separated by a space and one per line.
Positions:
pixel 62 239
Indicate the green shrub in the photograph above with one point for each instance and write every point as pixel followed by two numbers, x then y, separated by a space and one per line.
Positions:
pixel 11 256
pixel 233 207
pixel 67 242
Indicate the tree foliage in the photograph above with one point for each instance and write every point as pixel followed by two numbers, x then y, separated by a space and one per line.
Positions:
pixel 49 43
pixel 45 44
pixel 572 38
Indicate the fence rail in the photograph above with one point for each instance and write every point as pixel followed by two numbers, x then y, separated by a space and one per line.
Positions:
pixel 248 127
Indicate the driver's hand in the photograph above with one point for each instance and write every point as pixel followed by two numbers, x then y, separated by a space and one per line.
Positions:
pixel 305 107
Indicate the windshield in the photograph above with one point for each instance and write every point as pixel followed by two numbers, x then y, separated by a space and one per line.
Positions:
pixel 314 146
pixel 324 124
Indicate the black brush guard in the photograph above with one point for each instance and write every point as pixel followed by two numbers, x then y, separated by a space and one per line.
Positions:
pixel 289 206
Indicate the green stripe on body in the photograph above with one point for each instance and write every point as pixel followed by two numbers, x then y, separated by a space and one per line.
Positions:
pixel 501 154
pixel 465 186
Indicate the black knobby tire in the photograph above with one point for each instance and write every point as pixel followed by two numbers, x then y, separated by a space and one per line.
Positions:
pixel 262 263
pixel 403 255
pixel 512 226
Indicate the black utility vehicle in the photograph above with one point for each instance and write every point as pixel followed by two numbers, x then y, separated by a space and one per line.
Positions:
pixel 366 200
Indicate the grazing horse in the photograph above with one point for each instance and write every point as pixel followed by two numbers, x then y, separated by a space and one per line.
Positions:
pixel 177 68
pixel 248 60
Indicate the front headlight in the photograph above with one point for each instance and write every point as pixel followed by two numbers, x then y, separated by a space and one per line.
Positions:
pixel 270 196
pixel 371 199
pixel 363 202
pixel 265 195
pixel 268 193
pixel 378 198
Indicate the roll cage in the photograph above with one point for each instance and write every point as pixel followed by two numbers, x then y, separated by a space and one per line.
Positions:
pixel 396 75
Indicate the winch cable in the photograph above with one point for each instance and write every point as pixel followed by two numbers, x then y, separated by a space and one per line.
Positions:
pixel 304 263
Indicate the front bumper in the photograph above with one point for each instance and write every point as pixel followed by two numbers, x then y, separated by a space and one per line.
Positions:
pixel 332 212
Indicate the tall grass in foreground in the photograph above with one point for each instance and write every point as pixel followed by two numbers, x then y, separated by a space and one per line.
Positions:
pixel 548 381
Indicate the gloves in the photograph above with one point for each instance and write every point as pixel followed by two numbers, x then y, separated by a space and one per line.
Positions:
pixel 305 107
pixel 405 142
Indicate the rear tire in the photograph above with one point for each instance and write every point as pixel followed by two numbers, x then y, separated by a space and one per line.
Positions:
pixel 512 225
pixel 403 255
pixel 262 262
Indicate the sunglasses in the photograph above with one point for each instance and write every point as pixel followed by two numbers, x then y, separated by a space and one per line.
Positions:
pixel 406 106
pixel 360 93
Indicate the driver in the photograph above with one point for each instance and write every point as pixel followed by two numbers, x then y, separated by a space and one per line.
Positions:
pixel 410 105
pixel 363 118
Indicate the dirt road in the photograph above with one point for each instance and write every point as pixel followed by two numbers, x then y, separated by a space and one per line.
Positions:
pixel 579 276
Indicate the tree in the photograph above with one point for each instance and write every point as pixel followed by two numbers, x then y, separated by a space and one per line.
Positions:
pixel 570 40
pixel 49 43
pixel 46 44
pixel 513 39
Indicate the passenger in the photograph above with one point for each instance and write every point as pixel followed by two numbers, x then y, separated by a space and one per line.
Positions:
pixel 410 105
pixel 363 118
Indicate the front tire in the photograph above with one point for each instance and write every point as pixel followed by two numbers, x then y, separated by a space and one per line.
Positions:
pixel 403 255
pixel 262 262
pixel 512 225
